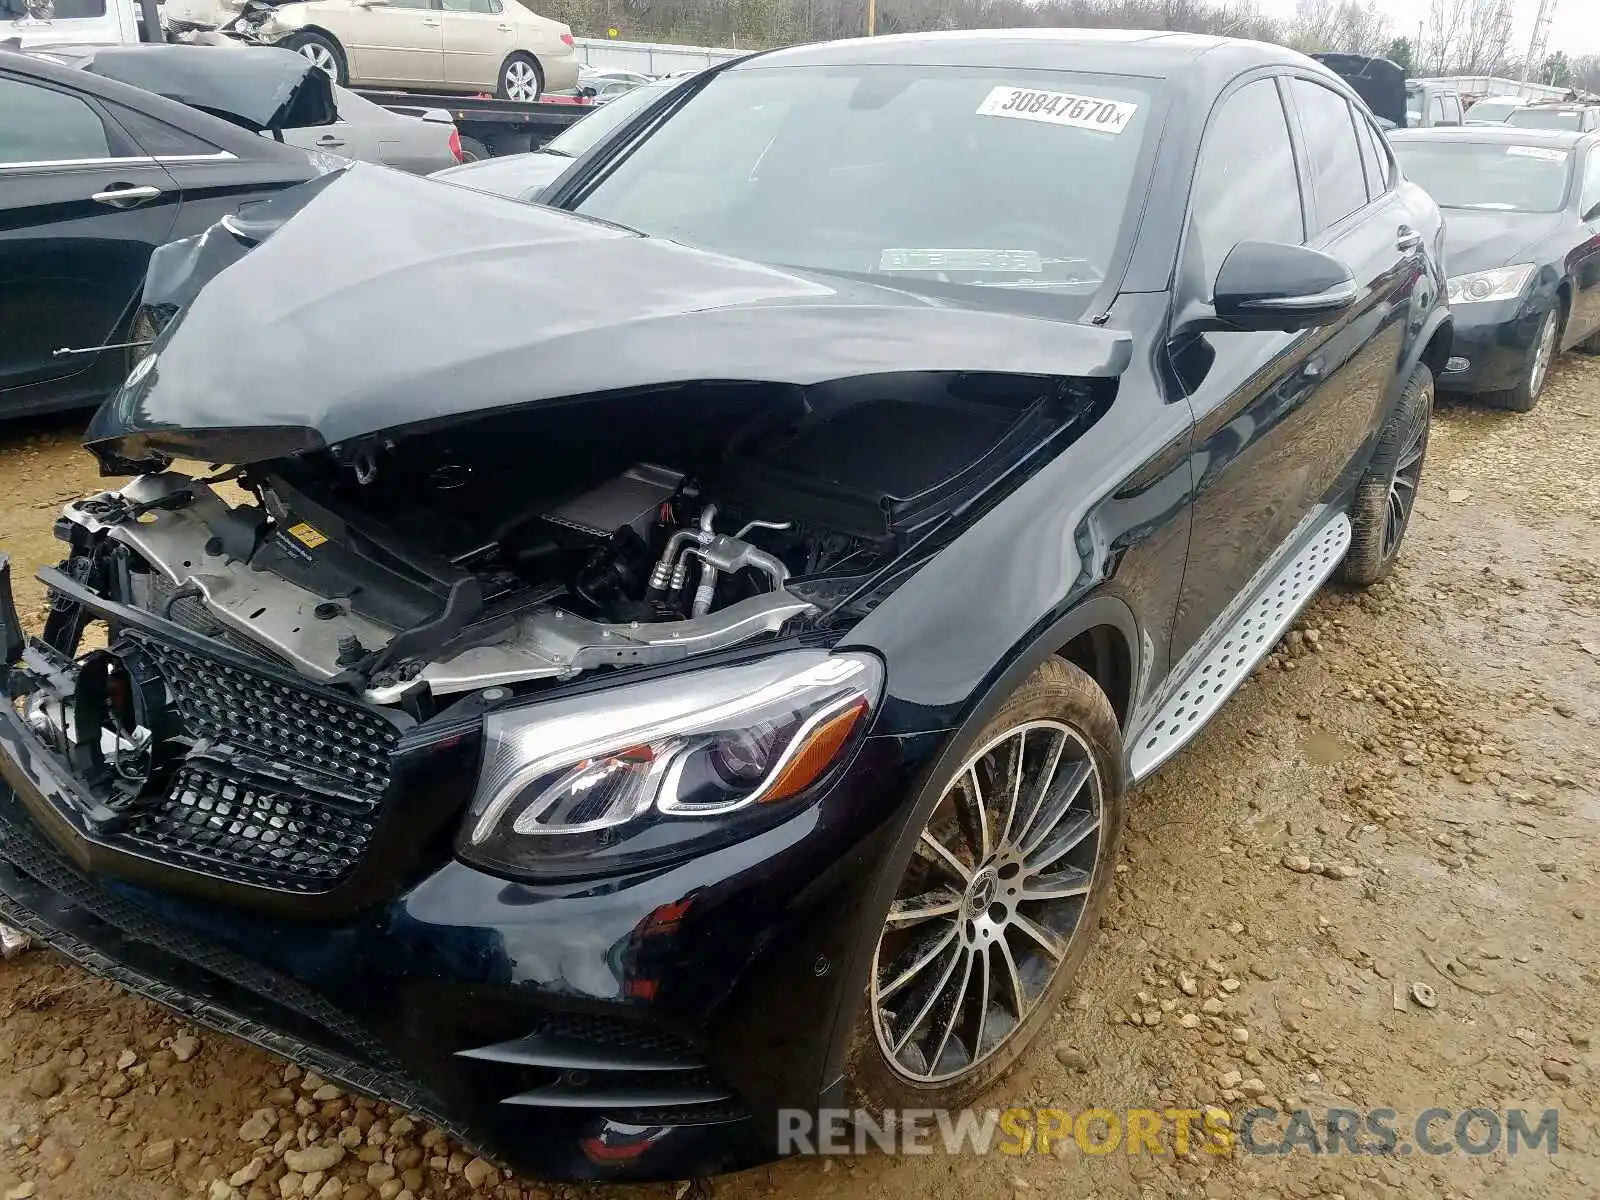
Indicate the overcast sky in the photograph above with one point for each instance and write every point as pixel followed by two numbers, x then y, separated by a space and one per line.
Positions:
pixel 1576 29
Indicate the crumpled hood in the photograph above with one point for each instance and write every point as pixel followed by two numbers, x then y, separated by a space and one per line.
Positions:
pixel 1477 240
pixel 390 301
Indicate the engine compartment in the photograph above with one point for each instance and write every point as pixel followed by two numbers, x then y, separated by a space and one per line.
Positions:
pixel 537 544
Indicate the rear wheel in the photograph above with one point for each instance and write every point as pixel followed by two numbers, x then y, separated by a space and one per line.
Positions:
pixel 1387 493
pixel 996 909
pixel 321 51
pixel 521 79
pixel 472 150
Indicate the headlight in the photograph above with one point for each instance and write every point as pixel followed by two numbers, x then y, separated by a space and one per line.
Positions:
pixel 653 770
pixel 1502 283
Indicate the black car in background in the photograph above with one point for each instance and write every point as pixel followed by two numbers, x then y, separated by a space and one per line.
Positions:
pixel 1522 240
pixel 97 170
pixel 625 712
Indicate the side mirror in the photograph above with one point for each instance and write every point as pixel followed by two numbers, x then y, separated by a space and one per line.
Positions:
pixel 1276 286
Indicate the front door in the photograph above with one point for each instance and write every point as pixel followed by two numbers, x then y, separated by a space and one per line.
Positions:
pixel 82 207
pixel 1585 319
pixel 395 43
pixel 478 37
pixel 1247 391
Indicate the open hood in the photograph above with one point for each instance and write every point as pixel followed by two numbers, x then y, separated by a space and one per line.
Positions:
pixel 258 87
pixel 1378 81
pixel 389 301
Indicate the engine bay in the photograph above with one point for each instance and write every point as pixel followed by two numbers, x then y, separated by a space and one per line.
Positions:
pixel 537 545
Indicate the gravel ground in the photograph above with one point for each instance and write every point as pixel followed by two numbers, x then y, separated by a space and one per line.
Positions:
pixel 1406 793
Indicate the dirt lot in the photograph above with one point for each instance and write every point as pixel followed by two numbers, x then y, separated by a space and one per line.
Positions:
pixel 1407 793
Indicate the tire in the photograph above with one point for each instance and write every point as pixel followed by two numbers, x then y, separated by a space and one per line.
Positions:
pixel 514 75
pixel 1546 346
pixel 1393 477
pixel 1057 705
pixel 473 150
pixel 322 50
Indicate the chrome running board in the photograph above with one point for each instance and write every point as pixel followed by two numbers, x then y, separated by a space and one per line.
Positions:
pixel 1240 644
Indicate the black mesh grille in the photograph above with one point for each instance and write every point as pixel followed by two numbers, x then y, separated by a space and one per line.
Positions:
pixel 209 821
pixel 285 724
pixel 283 787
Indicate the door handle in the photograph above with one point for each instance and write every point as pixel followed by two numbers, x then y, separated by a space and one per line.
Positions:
pixel 125 196
pixel 1407 239
pixel 506 28
pixel 430 23
pixel 328 139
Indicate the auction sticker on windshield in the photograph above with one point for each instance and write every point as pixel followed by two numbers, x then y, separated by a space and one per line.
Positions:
pixel 1058 108
pixel 1545 152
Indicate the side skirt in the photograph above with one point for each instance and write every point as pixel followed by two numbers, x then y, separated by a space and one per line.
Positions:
pixel 1240 640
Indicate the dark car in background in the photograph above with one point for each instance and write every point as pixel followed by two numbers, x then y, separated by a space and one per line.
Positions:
pixel 97 170
pixel 1522 242
pixel 623 713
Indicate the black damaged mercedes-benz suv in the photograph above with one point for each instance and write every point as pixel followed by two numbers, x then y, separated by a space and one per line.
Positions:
pixel 602 717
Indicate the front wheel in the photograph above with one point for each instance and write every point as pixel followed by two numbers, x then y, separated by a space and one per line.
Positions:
pixel 1525 395
pixel 322 52
pixel 996 909
pixel 520 79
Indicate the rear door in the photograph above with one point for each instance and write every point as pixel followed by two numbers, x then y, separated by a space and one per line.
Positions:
pixel 82 207
pixel 478 37
pixel 1362 218
pixel 396 43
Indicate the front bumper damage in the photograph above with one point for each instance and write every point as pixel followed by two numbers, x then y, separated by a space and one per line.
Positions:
pixel 641 1027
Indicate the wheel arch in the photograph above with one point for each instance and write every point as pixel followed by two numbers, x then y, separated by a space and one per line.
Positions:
pixel 531 57
pixel 1099 630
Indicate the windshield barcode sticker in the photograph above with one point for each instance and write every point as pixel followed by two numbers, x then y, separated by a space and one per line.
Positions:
pixel 1058 108
pixel 1545 152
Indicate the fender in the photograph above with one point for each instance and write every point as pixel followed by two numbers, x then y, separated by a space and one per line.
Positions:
pixel 1097 609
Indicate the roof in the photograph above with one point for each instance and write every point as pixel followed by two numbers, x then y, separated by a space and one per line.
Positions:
pixel 1152 53
pixel 1495 135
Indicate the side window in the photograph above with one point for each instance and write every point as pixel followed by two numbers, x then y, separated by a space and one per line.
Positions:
pixel 1341 185
pixel 1452 110
pixel 468 6
pixel 38 124
pixel 1590 197
pixel 1373 158
pixel 1246 188
pixel 1436 110
pixel 413 4
pixel 157 137
pixel 1375 140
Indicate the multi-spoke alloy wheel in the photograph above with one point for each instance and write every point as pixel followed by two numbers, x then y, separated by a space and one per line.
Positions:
pixel 1403 485
pixel 990 903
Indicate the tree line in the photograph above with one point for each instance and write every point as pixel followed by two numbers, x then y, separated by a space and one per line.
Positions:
pixel 1470 37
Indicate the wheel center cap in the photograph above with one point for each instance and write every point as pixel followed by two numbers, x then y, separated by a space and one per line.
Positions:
pixel 981 893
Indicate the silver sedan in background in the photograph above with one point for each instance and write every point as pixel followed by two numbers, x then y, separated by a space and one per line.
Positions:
pixel 420 143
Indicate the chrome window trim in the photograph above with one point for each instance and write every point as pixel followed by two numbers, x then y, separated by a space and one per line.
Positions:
pixel 129 160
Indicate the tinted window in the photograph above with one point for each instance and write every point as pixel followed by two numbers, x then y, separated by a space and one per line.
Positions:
pixel 40 125
pixel 1591 184
pixel 941 175
pixel 468 6
pixel 157 137
pixel 1246 188
pixel 1331 145
pixel 1487 175
pixel 1375 142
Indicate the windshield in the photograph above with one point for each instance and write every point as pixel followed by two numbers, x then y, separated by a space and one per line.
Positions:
pixel 968 176
pixel 1546 118
pixel 577 139
pixel 1492 111
pixel 1487 175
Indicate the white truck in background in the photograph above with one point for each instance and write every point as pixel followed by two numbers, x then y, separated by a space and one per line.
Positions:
pixel 29 23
